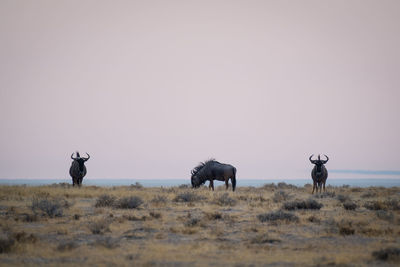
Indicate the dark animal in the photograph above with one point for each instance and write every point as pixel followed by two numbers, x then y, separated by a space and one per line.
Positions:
pixel 78 169
pixel 213 170
pixel 319 173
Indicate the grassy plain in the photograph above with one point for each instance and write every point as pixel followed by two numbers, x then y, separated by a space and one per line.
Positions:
pixel 279 225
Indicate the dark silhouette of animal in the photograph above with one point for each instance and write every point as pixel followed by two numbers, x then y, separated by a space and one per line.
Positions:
pixel 319 173
pixel 78 168
pixel 213 170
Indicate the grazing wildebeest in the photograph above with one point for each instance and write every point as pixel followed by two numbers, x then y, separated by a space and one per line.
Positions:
pixel 78 169
pixel 319 173
pixel 213 170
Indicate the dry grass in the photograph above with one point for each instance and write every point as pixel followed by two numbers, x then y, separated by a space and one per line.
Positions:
pixel 132 225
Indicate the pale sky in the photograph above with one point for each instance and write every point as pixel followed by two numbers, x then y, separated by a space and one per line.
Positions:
pixel 151 88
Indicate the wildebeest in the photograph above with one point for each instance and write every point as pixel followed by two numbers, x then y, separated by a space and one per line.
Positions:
pixel 213 170
pixel 319 173
pixel 78 168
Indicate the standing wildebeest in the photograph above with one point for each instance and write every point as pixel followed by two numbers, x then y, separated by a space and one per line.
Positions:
pixel 319 173
pixel 213 170
pixel 78 169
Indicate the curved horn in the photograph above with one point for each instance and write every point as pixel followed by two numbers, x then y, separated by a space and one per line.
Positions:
pixel 87 157
pixel 325 161
pixel 72 156
pixel 310 158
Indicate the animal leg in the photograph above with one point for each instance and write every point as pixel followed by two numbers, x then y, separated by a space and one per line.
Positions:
pixel 314 186
pixel 324 186
pixel 226 184
pixel 211 185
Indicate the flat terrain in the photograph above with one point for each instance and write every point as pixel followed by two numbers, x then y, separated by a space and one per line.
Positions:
pixel 279 225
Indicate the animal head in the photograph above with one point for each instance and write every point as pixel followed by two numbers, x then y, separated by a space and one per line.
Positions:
pixel 318 162
pixel 195 179
pixel 79 159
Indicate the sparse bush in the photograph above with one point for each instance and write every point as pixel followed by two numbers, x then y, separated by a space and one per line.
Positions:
pixel 155 215
pixel 280 196
pixel 214 216
pixel 375 205
pixel 23 237
pixel 188 197
pixel 278 216
pixel 387 254
pixel 129 203
pixel 302 204
pixel 283 185
pixel 6 244
pixel 314 219
pixel 159 199
pixel 345 227
pixel 192 222
pixel 67 245
pixel 270 186
pixel 137 185
pixel 343 198
pixel 26 217
pixel 385 215
pixel 51 208
pixel 105 201
pixel 184 186
pixel 331 194
pixel 349 205
pixel 263 239
pixel 100 226
pixel 107 242
pixel 368 194
pixel 225 200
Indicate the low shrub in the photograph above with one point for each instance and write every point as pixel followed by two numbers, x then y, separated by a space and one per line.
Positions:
pixel 264 239
pixel 105 201
pixel 192 222
pixel 302 204
pixel 50 207
pixel 67 245
pixel 100 226
pixel 278 216
pixel 345 227
pixel 188 197
pixel 136 185
pixel 129 203
pixel 387 254
pixel 343 198
pixel 6 244
pixel 159 199
pixel 283 185
pixel 280 196
pixel 385 215
pixel 225 200
pixel 349 205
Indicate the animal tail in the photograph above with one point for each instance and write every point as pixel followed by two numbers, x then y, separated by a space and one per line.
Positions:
pixel 233 179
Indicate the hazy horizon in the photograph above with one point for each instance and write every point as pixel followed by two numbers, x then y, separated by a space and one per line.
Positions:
pixel 151 88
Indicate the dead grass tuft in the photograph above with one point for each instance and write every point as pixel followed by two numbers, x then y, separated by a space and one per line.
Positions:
pixel 264 239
